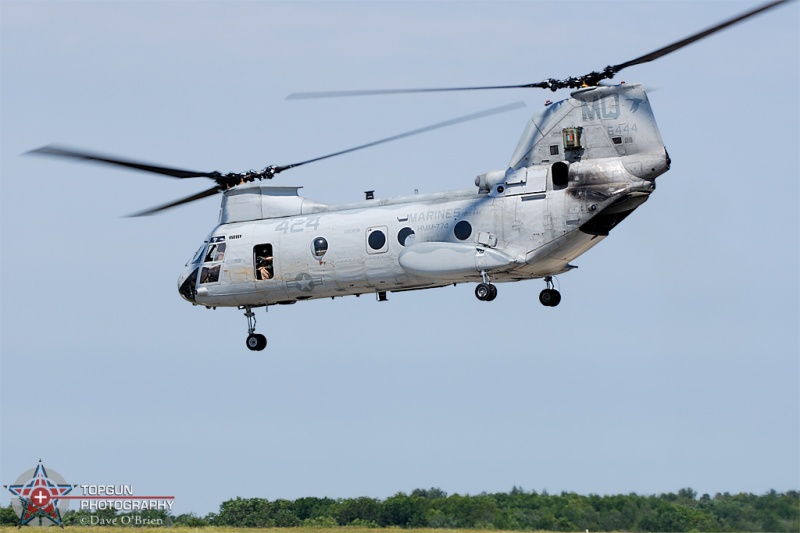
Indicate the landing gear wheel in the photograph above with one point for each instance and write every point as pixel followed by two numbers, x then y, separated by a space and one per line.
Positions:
pixel 550 297
pixel 556 298
pixel 492 293
pixel 256 342
pixel 483 292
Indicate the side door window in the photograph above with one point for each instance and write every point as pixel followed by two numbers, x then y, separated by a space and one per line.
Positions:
pixel 263 262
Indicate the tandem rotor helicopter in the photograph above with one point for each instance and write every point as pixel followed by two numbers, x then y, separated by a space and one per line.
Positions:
pixel 582 165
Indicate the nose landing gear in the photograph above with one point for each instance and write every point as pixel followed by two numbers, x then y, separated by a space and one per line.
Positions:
pixel 255 341
pixel 549 297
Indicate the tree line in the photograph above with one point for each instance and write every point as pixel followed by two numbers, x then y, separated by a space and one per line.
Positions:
pixel 515 510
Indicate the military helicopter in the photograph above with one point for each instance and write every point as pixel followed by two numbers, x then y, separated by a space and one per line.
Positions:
pixel 581 166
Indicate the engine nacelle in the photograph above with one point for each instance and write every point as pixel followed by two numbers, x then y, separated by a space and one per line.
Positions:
pixel 487 181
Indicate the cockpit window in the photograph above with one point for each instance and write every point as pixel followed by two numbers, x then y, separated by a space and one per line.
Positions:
pixel 214 254
pixel 210 274
pixel 216 250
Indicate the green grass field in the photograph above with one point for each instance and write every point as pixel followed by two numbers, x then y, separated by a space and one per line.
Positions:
pixel 104 529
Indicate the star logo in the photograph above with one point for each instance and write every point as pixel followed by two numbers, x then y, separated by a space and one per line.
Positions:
pixel 38 497
pixel 305 282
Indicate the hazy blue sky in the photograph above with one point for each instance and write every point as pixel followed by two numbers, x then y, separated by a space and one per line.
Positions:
pixel 671 362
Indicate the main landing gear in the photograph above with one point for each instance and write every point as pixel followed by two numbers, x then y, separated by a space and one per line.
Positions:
pixel 485 291
pixel 255 341
pixel 549 297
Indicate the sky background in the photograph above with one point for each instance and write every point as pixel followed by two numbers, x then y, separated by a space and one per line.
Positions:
pixel 672 361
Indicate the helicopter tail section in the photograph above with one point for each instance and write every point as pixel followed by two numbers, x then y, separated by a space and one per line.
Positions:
pixel 595 123
pixel 602 151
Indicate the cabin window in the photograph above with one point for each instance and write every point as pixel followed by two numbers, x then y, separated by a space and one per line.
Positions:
pixel 463 230
pixel 376 240
pixel 263 262
pixel 405 236
pixel 553 149
pixel 319 247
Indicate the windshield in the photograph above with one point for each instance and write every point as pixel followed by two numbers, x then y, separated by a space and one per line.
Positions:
pixel 197 255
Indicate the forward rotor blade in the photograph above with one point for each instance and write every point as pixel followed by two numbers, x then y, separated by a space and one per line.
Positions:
pixel 337 94
pixel 58 151
pixel 451 122
pixel 230 180
pixel 205 194
pixel 696 37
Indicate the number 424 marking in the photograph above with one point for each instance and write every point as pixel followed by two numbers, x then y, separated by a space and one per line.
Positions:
pixel 297 225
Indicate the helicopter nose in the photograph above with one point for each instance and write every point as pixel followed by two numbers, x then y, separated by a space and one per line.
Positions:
pixel 187 285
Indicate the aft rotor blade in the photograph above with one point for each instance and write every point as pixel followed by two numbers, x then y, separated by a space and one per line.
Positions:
pixel 591 79
pixel 205 194
pixel 337 94
pixel 58 151
pixel 696 37
pixel 451 122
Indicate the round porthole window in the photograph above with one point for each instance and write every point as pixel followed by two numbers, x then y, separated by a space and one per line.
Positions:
pixel 376 239
pixel 463 230
pixel 319 247
pixel 405 236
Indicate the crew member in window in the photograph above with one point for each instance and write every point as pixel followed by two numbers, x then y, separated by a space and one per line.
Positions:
pixel 264 267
